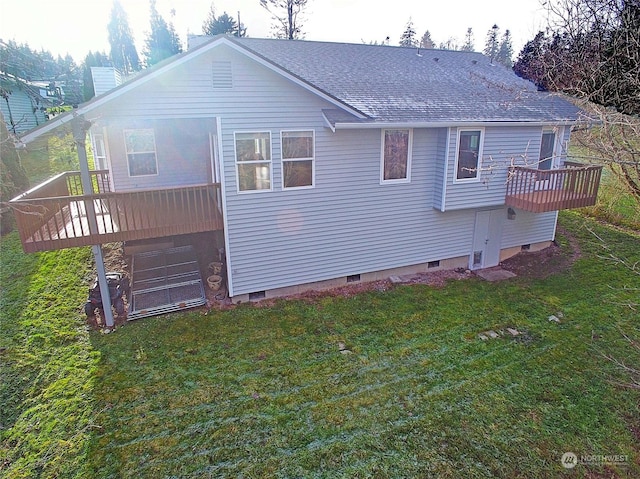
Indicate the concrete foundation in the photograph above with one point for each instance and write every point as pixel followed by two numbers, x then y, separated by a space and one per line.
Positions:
pixel 444 264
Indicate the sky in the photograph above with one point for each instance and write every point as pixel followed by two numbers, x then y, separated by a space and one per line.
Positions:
pixel 76 27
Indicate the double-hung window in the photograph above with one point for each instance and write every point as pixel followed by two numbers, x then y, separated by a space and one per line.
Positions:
pixel 298 154
pixel 469 154
pixel 140 146
pixel 396 156
pixel 253 161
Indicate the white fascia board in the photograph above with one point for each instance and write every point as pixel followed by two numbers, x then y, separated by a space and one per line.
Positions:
pixel 146 77
pixel 445 124
pixel 329 125
pixel 116 92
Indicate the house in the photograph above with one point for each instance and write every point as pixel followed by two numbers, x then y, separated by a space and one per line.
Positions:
pixel 23 103
pixel 321 163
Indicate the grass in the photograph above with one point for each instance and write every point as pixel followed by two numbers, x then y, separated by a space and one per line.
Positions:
pixel 47 363
pixel 265 391
pixel 615 204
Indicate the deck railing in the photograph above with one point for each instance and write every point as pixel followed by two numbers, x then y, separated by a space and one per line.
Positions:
pixel 54 215
pixel 573 186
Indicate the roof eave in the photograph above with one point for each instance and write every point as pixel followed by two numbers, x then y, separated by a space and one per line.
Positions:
pixel 169 65
pixel 444 124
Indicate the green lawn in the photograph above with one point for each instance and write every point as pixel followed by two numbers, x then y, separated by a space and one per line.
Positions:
pixel 265 392
pixel 615 205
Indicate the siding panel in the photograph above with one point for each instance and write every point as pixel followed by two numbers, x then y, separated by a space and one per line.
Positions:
pixel 503 146
pixel 348 223
pixel 529 228
pixel 20 112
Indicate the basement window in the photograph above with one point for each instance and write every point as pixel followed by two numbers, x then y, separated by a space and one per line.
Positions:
pixel 525 247
pixel 433 264
pixel 354 278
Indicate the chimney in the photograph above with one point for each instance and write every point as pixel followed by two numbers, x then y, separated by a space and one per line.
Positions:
pixel 105 79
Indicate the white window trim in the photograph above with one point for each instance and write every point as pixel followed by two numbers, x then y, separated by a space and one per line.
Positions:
pixel 312 159
pixel 556 160
pixel 409 156
pixel 477 178
pixel 270 162
pixel 126 152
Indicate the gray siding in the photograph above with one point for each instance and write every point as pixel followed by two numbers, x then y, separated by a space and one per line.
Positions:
pixel 182 153
pixel 502 147
pixel 18 111
pixel 440 169
pixel 348 223
pixel 529 228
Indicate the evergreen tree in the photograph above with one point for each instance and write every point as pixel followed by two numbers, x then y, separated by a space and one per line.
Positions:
pixel 426 42
pixel 162 41
pixel 450 44
pixel 287 15
pixel 123 51
pixel 224 24
pixel 530 64
pixel 70 78
pixel 408 38
pixel 468 41
pixel 505 51
pixel 20 63
pixel 592 53
pixel 492 46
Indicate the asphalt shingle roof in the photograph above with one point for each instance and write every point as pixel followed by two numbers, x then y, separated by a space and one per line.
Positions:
pixel 398 84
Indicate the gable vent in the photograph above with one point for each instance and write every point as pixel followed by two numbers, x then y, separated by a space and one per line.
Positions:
pixel 222 77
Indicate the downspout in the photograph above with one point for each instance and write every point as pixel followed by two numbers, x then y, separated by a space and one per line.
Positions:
pixel 80 127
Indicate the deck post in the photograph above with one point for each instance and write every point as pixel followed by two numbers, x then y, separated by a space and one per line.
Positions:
pixel 80 126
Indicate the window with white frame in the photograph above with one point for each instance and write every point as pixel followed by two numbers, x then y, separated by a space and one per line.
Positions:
pixel 298 152
pixel 99 152
pixel 547 150
pixel 140 146
pixel 469 153
pixel 253 161
pixel 396 155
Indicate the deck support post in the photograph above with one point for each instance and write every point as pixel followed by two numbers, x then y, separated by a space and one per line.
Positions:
pixel 80 126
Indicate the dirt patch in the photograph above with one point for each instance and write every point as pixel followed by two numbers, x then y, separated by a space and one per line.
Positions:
pixel 114 261
pixel 538 265
pixel 544 263
pixel 437 279
pixel 114 258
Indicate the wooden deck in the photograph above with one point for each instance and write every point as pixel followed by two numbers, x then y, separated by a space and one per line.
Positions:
pixel 539 191
pixel 52 223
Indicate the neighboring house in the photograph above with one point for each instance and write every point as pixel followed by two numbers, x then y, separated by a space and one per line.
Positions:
pixel 24 103
pixel 324 163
